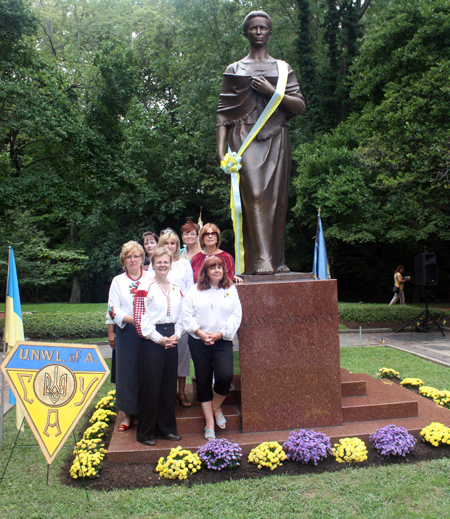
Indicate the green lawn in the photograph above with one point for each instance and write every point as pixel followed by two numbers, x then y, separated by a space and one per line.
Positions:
pixel 395 491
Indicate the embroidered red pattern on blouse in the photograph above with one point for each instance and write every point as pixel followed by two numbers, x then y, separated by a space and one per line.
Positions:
pixel 139 309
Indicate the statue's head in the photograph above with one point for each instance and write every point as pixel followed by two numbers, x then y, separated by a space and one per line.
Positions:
pixel 254 14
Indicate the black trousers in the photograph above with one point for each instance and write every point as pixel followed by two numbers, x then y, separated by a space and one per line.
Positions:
pixel 208 360
pixel 157 395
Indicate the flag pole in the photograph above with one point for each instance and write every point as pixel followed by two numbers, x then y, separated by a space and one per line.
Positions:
pixel 3 356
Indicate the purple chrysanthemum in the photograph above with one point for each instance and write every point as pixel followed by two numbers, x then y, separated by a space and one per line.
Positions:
pixel 392 441
pixel 306 446
pixel 220 454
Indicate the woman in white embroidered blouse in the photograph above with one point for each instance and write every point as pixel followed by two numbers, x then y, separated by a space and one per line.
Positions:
pixel 181 274
pixel 122 335
pixel 211 315
pixel 156 309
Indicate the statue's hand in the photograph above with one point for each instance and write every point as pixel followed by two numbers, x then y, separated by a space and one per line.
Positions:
pixel 261 85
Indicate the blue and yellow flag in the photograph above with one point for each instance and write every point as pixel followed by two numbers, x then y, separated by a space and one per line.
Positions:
pixel 321 270
pixel 13 319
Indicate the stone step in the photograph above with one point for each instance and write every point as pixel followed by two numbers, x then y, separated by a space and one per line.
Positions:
pixel 191 420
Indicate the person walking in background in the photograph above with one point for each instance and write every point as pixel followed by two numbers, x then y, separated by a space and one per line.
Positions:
pixel 399 282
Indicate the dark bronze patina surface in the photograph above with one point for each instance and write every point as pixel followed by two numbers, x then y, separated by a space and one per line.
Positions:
pixel 247 87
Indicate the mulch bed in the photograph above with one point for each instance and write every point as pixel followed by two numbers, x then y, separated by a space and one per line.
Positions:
pixel 138 475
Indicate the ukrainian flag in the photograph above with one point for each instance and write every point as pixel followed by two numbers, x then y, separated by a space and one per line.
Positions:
pixel 13 318
pixel 321 269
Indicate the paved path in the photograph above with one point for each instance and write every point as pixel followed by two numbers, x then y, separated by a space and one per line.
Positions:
pixel 431 346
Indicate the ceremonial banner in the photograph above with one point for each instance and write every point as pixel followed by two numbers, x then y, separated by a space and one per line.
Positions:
pixel 54 383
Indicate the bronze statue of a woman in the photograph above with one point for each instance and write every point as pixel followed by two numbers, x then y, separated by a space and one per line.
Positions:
pixel 247 87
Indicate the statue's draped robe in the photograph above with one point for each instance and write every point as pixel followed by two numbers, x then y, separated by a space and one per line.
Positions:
pixel 266 163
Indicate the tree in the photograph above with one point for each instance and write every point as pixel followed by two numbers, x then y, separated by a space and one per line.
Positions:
pixel 382 176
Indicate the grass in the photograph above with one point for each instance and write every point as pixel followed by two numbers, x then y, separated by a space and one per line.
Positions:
pixel 393 491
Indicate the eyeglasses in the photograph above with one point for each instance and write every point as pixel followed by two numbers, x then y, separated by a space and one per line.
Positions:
pixel 210 234
pixel 134 256
pixel 192 234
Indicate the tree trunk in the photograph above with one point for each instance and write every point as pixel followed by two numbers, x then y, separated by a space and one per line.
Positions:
pixel 75 296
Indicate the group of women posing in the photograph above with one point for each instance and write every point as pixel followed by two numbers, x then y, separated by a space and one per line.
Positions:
pixel 166 306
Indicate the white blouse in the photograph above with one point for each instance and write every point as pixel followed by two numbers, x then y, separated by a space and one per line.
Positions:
pixel 121 296
pixel 181 274
pixel 212 311
pixel 153 306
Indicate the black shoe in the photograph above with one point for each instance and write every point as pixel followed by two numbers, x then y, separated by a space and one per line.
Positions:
pixel 171 437
pixel 148 443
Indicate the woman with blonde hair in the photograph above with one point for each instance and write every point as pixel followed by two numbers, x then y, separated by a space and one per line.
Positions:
pixel 122 335
pixel 181 274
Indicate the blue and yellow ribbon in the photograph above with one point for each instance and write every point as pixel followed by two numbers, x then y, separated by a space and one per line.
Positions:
pixel 231 164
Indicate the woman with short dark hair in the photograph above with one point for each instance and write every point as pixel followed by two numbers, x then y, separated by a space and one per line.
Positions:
pixel 211 315
pixel 189 235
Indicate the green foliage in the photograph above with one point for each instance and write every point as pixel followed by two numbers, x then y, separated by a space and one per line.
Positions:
pixel 63 325
pixel 379 313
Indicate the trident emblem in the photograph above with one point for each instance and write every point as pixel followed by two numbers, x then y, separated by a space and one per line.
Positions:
pixel 55 389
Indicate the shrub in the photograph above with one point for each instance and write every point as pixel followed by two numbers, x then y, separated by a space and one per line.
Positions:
pixel 305 446
pixel 392 441
pixel 350 449
pixel 180 464
pixel 436 433
pixel 377 312
pixel 267 454
pixel 64 326
pixel 428 391
pixel 220 454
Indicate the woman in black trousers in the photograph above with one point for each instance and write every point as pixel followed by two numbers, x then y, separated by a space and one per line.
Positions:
pixel 211 315
pixel 157 305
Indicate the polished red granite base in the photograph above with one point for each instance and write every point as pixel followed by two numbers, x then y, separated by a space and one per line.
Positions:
pixel 384 403
pixel 289 354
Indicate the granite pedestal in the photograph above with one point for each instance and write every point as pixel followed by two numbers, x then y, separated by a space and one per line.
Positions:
pixel 289 354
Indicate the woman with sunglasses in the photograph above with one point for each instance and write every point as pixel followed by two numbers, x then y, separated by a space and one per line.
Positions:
pixel 209 242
